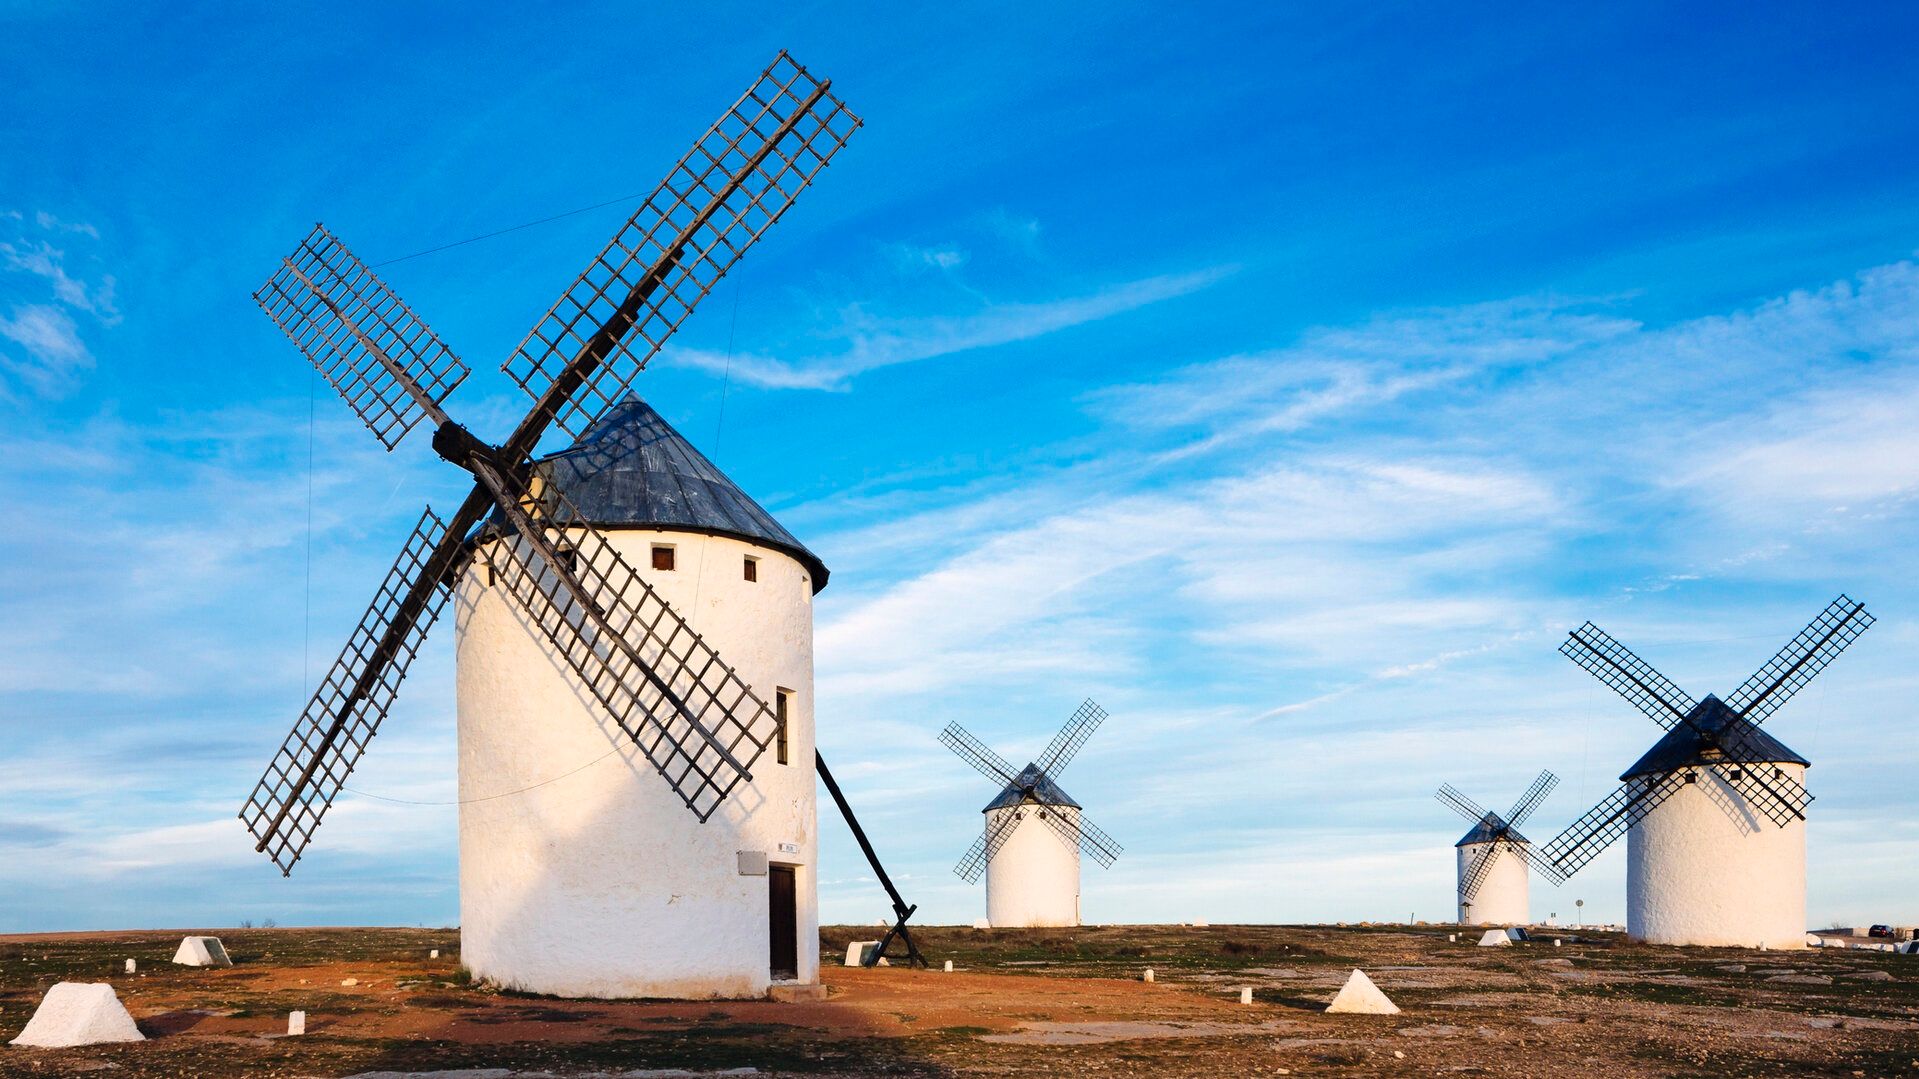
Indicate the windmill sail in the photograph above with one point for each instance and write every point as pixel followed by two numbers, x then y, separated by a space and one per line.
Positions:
pixel 1476 870
pixel 973 862
pixel 978 754
pixel 1066 744
pixel 714 204
pixel 1079 833
pixel 1587 837
pixel 1529 801
pixel 346 711
pixel 696 720
pixel 1450 795
pixel 1631 677
pixel 373 350
pixel 1804 656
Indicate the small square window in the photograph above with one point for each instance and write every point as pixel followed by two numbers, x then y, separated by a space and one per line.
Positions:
pixel 662 557
pixel 752 569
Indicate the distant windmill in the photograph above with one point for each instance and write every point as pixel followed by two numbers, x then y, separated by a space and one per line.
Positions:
pixel 1493 857
pixel 1715 812
pixel 594 881
pixel 1032 872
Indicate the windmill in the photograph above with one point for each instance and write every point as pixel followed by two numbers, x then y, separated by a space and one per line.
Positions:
pixel 1493 856
pixel 1715 812
pixel 676 857
pixel 1032 872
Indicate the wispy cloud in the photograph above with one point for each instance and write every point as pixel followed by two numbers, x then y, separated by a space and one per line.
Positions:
pixel 934 257
pixel 873 342
pixel 48 354
pixel 1334 370
pixel 50 342
pixel 1341 565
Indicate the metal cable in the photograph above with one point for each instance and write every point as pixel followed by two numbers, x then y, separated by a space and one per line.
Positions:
pixel 514 228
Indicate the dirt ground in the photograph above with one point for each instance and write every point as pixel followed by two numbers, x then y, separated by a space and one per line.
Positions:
pixel 1021 1002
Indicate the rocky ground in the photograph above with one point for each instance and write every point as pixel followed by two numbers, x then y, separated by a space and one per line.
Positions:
pixel 1022 1002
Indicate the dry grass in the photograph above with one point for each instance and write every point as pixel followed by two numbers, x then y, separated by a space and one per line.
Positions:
pixel 1024 1002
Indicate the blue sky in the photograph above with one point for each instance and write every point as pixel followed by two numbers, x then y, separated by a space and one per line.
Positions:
pixel 1287 380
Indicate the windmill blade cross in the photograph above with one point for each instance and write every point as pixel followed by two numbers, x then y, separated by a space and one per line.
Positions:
pixel 1628 675
pixel 1801 659
pixel 979 755
pixel 697 722
pixel 1585 838
pixel 714 204
pixel 381 358
pixel 1450 795
pixel 1066 744
pixel 346 711
pixel 1529 801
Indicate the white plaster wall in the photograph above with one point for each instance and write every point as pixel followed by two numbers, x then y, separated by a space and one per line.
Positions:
pixel 1033 880
pixel 601 883
pixel 1503 897
pixel 1705 868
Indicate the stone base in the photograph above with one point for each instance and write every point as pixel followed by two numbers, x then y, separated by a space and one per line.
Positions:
pixel 796 992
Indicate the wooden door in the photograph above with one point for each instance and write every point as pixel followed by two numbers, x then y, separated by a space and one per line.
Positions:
pixel 782 913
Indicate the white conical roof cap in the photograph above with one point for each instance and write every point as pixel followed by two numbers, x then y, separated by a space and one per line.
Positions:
pixel 79 1013
pixel 1361 996
pixel 1494 938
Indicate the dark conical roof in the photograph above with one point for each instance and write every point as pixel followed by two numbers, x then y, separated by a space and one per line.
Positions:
pixel 1737 737
pixel 1034 784
pixel 1490 828
pixel 631 469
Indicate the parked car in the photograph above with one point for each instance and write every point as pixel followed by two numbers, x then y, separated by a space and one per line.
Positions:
pixel 1880 931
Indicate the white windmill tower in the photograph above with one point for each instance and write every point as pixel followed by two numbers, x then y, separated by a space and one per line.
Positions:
pixel 1034 832
pixel 1715 812
pixel 584 680
pixel 651 900
pixel 1494 858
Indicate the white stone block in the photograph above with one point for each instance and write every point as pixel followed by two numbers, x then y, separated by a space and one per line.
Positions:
pixel 1246 994
pixel 296 1023
pixel 77 1013
pixel 949 966
pixel 1148 976
pixel 856 951
pixel 433 954
pixel 1360 996
pixel 132 966
pixel 1495 938
pixel 202 952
